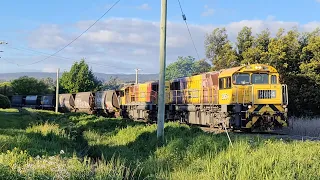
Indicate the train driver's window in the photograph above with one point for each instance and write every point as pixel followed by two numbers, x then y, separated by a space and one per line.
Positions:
pixel 221 83
pixel 273 79
pixel 241 78
pixel 228 82
pixel 155 87
pixel 258 78
pixel 175 86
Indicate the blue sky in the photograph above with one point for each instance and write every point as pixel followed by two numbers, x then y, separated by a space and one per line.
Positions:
pixel 127 37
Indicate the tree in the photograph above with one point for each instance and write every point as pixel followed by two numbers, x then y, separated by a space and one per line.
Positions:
pixel 29 86
pixel 244 40
pixel 219 50
pixel 79 79
pixel 112 84
pixel 215 41
pixel 186 66
pixel 50 83
pixel 227 58
pixel 252 55
pixel 180 68
pixel 311 56
pixel 258 52
pixel 6 88
pixel 284 52
pixel 4 102
pixel 201 66
pixel 262 40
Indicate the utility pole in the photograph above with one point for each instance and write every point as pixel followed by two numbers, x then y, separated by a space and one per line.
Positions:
pixel 57 91
pixel 161 96
pixel 137 70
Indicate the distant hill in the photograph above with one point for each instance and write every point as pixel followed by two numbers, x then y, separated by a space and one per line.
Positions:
pixel 100 76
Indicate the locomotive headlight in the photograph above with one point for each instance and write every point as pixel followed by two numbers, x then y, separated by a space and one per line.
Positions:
pixel 249 107
pixel 273 93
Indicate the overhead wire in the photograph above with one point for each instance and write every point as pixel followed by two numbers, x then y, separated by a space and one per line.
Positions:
pixel 4 59
pixel 185 20
pixel 75 38
pixel 60 57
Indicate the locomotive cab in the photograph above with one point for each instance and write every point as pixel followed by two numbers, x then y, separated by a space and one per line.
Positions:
pixel 255 95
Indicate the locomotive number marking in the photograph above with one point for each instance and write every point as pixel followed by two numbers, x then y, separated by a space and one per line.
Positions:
pixel 224 96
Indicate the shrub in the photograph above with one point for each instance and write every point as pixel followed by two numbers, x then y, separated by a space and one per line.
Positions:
pixel 4 102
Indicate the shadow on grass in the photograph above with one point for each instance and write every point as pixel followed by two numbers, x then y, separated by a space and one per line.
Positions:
pixel 182 146
pixel 38 143
pixel 13 131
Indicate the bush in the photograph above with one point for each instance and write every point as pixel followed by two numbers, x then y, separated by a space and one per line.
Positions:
pixel 4 102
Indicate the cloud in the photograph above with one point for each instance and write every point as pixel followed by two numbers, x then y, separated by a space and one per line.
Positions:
pixel 270 18
pixel 318 1
pixel 140 52
pixel 144 7
pixel 115 45
pixel 208 11
pixel 49 69
pixel 51 36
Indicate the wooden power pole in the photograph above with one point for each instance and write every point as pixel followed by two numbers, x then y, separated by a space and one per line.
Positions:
pixel 57 91
pixel 137 70
pixel 161 96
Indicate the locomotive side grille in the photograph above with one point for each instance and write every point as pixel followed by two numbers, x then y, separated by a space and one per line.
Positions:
pixel 266 94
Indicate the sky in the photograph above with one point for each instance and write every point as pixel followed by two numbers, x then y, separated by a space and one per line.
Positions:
pixel 127 37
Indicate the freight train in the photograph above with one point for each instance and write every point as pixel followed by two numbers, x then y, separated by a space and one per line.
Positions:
pixel 247 97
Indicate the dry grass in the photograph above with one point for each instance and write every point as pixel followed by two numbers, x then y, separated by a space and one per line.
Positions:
pixel 305 126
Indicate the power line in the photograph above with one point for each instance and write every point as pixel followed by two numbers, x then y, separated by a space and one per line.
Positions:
pixel 76 37
pixel 185 20
pixel 3 59
pixel 60 57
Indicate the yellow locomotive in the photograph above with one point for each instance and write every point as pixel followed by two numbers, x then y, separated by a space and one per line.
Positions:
pixel 245 97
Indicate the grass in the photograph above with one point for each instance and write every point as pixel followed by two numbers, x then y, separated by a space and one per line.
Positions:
pixel 44 145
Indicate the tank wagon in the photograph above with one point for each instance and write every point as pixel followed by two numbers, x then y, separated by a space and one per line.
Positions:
pixel 33 101
pixel 84 102
pixel 48 102
pixel 66 103
pixel 17 101
pixel 104 103
pixel 107 103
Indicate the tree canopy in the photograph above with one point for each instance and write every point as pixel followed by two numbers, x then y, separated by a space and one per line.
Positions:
pixel 6 88
pixel 29 86
pixel 219 50
pixel 50 83
pixel 186 66
pixel 112 84
pixel 80 78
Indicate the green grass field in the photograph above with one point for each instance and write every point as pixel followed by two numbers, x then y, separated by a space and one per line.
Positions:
pixel 44 145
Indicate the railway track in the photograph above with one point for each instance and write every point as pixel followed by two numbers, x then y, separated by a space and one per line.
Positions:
pixel 276 134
